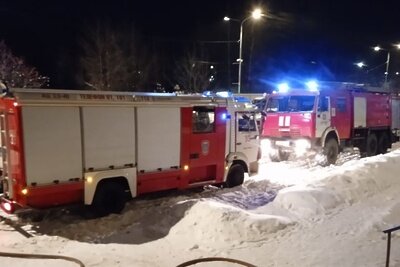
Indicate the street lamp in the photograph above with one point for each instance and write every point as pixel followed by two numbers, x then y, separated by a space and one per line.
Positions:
pixel 256 14
pixel 377 49
pixel 360 64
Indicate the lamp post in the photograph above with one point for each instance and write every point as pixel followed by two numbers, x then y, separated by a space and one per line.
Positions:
pixel 256 14
pixel 377 49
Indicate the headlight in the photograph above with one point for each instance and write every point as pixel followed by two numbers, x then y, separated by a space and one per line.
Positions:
pixel 266 146
pixel 307 116
pixel 265 143
pixel 302 143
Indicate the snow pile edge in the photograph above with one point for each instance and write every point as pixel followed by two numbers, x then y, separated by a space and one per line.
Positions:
pixel 349 183
pixel 210 221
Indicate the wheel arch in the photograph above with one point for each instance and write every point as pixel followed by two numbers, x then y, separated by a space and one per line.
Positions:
pixel 93 180
pixel 329 133
pixel 233 159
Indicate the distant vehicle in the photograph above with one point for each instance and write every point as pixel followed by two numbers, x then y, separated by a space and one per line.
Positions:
pixel 101 148
pixel 327 119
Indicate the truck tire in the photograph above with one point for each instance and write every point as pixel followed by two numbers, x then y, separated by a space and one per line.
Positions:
pixel 280 156
pixel 331 151
pixel 383 143
pixel 283 156
pixel 235 176
pixel 109 198
pixel 372 145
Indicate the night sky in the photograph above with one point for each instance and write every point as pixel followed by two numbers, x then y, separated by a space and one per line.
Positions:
pixel 298 39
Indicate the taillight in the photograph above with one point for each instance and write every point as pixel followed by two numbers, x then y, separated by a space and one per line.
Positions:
pixel 7 207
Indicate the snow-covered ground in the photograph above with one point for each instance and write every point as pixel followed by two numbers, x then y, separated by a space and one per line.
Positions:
pixel 291 214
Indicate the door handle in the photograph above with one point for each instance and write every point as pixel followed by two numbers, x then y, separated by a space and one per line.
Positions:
pixel 194 156
pixel 238 143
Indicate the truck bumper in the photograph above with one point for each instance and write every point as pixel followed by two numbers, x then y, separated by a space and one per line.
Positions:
pixel 298 147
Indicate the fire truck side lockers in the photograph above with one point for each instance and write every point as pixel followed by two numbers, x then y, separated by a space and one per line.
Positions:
pixel 61 148
pixel 300 121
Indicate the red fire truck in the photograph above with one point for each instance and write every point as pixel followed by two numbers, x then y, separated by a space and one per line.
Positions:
pixel 100 148
pixel 327 118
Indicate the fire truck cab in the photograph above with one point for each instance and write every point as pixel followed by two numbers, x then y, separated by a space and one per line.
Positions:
pixel 327 119
pixel 100 148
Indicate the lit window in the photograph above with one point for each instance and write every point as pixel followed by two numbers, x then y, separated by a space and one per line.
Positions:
pixel 203 120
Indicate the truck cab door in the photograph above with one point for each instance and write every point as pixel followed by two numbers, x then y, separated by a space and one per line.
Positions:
pixel 247 135
pixel 203 143
pixel 323 115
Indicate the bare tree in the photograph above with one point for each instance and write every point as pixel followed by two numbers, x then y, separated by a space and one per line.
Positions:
pixel 112 60
pixel 16 73
pixel 192 74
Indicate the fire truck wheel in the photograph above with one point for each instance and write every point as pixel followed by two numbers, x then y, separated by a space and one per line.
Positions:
pixel 279 156
pixel 372 145
pixel 109 198
pixel 235 176
pixel 331 151
pixel 283 155
pixel 383 143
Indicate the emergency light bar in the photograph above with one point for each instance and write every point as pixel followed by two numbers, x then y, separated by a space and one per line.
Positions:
pixel 224 94
pixel 311 85
pixel 283 88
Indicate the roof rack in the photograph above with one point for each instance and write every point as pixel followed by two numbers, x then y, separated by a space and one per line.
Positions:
pixel 342 86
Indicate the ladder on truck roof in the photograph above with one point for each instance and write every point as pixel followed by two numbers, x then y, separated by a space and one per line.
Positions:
pixel 80 97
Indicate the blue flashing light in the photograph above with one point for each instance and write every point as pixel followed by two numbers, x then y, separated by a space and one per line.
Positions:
pixel 224 94
pixel 225 116
pixel 242 99
pixel 283 87
pixel 207 93
pixel 312 86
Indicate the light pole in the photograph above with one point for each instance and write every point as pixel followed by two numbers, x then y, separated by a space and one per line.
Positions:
pixel 256 14
pixel 377 49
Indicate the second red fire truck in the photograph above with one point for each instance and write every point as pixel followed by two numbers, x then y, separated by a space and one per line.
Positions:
pixel 328 117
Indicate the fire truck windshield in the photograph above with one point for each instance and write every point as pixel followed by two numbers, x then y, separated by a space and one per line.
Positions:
pixel 293 103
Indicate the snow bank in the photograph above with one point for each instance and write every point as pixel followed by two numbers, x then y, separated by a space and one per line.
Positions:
pixel 358 180
pixel 336 217
pixel 352 182
pixel 303 201
pixel 210 221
